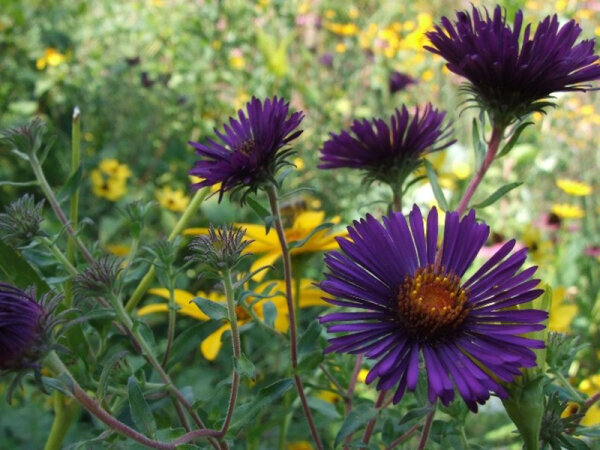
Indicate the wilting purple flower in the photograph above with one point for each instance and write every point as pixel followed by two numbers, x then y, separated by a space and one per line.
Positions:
pixel 398 81
pixel 326 59
pixel 388 153
pixel 21 320
pixel 249 153
pixel 508 78
pixel 408 298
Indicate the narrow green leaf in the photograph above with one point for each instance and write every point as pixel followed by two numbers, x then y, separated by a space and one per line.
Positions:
pixel 309 340
pixel 214 310
pixel 244 366
pixel 300 243
pixel 479 146
pixel 353 422
pixel 72 184
pixel 108 367
pixel 269 313
pixel 15 269
pixel 265 397
pixel 19 183
pixel 513 139
pixel 497 194
pixel 259 209
pixel 140 411
pixel 435 186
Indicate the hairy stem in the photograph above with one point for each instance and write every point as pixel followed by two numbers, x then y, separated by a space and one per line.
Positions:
pixel 237 349
pixel 492 150
pixel 371 425
pixel 426 429
pixel 287 268
pixel 404 437
pixel 183 221
pixel 64 260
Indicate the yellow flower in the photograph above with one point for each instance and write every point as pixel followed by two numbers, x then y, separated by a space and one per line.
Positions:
pixel 541 250
pixel 213 188
pixel 362 375
pixel 340 47
pixel 566 211
pixel 174 200
pixel 118 249
pixel 310 295
pixel 343 29
pixel 461 170
pixel 110 188
pixel 299 163
pixel 427 75
pixel 52 58
pixel 574 187
pixel 299 445
pixel 589 387
pixel 329 396
pixel 113 168
pixel 236 59
pixel 561 312
pixel 267 244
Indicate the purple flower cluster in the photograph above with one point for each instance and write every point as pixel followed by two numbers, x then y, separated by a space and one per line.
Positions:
pixel 409 299
pixel 511 76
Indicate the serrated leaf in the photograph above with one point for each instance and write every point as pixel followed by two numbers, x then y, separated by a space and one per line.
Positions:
pixel 17 270
pixel 108 367
pixel 513 139
pixel 140 411
pixel 72 184
pixel 244 366
pixel 355 420
pixel 214 310
pixel 435 186
pixel 498 194
pixel 300 243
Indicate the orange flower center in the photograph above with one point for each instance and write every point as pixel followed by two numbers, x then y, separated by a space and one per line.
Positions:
pixel 241 313
pixel 431 304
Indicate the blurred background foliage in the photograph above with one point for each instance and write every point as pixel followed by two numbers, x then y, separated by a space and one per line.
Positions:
pixel 150 75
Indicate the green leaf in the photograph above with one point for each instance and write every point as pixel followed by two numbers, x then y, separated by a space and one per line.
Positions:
pixel 479 146
pixel 265 397
pixel 72 184
pixel 497 194
pixel 19 183
pixel 300 243
pixel 108 367
pixel 140 411
pixel 435 186
pixel 513 139
pixel 269 313
pixel 15 269
pixel 244 366
pixel 355 420
pixel 189 340
pixel 309 340
pixel 214 310
pixel 262 212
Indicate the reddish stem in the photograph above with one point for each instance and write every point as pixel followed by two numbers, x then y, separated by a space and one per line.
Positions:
pixel 371 425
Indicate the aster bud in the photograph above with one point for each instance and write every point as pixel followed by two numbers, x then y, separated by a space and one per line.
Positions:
pixel 26 140
pixel 20 223
pixel 556 428
pixel 25 328
pixel 136 213
pixel 99 278
pixel 221 249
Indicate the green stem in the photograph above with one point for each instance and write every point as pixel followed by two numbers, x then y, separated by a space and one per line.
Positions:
pixel 49 193
pixel 172 319
pixel 187 215
pixel 287 270
pixel 237 349
pixel 74 206
pixel 63 417
pixel 51 246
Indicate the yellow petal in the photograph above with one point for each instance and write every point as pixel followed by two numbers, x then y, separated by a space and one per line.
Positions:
pixel 263 242
pixel 183 299
pixel 308 220
pixel 155 307
pixel 561 317
pixel 592 417
pixel 265 260
pixel 212 344
pixel 310 295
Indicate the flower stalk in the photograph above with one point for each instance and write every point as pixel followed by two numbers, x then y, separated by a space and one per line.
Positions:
pixel 287 268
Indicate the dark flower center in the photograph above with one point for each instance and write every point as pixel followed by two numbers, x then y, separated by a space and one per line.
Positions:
pixel 431 304
pixel 241 313
pixel 245 147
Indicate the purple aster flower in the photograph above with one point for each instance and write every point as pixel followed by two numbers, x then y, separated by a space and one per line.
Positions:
pixel 411 301
pixel 398 81
pixel 508 78
pixel 388 153
pixel 21 319
pixel 249 153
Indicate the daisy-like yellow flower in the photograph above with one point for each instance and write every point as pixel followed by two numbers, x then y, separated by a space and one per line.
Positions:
pixel 109 180
pixel 574 187
pixel 342 29
pixel 589 387
pixel 174 200
pixel 299 445
pixel 51 58
pixel 561 312
pixel 567 211
pixel 310 295
pixel 267 244
pixel 329 396
pixel 541 250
